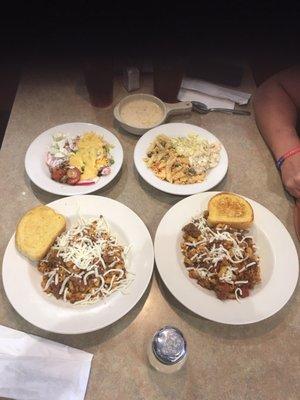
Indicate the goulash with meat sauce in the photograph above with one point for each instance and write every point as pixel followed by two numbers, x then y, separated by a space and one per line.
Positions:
pixel 86 263
pixel 220 258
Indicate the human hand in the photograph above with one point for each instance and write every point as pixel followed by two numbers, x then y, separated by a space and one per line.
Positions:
pixel 290 172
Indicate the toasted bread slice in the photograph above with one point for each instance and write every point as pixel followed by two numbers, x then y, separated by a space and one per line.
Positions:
pixel 230 209
pixel 37 231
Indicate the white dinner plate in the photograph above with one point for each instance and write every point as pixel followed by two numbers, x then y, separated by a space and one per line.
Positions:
pixel 214 176
pixel 279 265
pixel 22 280
pixel 38 171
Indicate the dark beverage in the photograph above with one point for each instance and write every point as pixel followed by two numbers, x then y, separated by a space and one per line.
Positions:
pixel 167 78
pixel 99 79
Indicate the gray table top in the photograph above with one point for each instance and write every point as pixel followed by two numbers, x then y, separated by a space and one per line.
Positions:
pixel 258 361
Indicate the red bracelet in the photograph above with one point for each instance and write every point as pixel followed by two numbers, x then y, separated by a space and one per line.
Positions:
pixel 286 155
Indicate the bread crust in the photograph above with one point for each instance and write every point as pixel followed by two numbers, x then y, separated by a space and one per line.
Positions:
pixel 37 230
pixel 239 213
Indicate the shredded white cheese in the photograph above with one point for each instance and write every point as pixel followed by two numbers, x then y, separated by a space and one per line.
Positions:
pixel 219 247
pixel 77 246
pixel 238 292
pixel 202 154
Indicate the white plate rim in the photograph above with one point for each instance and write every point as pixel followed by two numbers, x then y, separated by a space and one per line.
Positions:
pixel 214 176
pixel 281 240
pixel 44 182
pixel 31 318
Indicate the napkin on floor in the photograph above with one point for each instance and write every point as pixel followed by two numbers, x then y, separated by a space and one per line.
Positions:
pixel 32 368
pixel 210 94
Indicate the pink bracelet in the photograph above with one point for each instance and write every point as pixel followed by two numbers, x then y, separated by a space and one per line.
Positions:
pixel 286 155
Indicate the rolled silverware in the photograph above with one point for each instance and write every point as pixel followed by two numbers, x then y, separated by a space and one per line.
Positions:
pixel 203 109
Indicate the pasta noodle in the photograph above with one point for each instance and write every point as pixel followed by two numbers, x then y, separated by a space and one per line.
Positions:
pixel 173 166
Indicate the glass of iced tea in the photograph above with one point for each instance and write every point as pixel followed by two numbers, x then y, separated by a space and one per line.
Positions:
pixel 99 79
pixel 167 77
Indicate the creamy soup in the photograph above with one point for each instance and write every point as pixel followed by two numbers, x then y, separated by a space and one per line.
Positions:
pixel 141 113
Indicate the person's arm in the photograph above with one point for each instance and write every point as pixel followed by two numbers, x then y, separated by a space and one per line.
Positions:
pixel 276 106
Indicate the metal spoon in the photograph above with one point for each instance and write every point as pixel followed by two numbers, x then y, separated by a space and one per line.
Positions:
pixel 203 109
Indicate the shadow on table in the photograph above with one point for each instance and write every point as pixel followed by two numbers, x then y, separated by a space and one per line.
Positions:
pixel 160 196
pixel 168 198
pixel 274 185
pixel 80 88
pixel 270 171
pixel 82 341
pixel 224 331
pixel 123 132
pixel 171 386
pixel 86 340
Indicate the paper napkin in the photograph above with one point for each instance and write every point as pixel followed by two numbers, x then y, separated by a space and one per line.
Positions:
pixel 32 368
pixel 210 94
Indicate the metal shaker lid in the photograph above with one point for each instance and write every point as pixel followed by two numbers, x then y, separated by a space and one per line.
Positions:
pixel 169 345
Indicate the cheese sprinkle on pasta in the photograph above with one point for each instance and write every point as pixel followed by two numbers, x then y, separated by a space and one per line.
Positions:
pixel 86 263
pixel 182 160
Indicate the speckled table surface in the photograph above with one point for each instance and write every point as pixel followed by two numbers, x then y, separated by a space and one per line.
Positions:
pixel 258 361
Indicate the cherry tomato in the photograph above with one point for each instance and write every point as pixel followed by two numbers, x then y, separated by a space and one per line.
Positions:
pixel 73 176
pixel 57 174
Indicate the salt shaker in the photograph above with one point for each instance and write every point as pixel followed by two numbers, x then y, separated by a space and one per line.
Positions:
pixel 131 78
pixel 167 350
